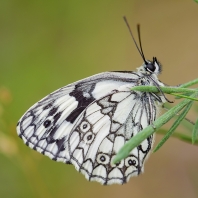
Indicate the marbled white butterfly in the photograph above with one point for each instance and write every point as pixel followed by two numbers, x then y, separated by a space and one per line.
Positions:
pixel 86 123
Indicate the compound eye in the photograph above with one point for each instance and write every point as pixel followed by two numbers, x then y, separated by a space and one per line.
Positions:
pixel 150 67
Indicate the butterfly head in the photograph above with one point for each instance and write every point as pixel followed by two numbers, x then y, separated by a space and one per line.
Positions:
pixel 152 67
pixel 149 67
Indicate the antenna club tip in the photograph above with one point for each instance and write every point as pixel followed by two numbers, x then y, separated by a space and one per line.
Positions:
pixel 124 17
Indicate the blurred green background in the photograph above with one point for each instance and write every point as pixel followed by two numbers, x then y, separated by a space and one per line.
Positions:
pixel 45 45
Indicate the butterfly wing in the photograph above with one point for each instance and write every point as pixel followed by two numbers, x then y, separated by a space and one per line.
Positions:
pixel 87 122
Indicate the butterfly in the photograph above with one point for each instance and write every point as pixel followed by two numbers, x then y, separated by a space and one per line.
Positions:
pixel 87 122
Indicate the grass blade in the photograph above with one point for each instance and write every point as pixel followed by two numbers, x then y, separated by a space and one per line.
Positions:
pixel 179 135
pixel 188 84
pixel 195 132
pixel 183 96
pixel 174 126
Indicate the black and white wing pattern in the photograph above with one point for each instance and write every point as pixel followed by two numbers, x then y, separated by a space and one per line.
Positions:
pixel 103 129
pixel 87 122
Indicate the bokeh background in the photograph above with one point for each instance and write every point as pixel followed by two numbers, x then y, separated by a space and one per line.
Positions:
pixel 45 45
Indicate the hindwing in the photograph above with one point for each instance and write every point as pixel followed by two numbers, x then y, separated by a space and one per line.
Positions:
pixel 105 126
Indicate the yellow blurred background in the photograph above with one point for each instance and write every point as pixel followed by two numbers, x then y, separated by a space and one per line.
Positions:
pixel 45 45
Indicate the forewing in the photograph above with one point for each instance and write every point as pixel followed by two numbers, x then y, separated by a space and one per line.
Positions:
pixel 47 125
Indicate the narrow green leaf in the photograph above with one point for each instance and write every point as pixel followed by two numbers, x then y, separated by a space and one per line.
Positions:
pixel 167 90
pixel 179 136
pixel 174 126
pixel 186 123
pixel 195 132
pixel 188 84
pixel 137 139
pixel 184 96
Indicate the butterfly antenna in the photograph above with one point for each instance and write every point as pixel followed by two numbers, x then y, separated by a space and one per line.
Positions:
pixel 139 49
pixel 139 37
